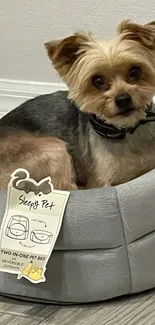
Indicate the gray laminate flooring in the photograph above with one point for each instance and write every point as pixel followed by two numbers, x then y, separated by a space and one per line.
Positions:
pixel 134 310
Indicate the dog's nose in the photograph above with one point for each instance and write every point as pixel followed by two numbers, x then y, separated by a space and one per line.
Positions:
pixel 123 101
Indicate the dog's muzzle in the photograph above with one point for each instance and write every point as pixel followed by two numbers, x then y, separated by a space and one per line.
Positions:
pixel 110 131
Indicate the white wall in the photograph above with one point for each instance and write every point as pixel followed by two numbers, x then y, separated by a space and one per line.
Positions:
pixel 25 24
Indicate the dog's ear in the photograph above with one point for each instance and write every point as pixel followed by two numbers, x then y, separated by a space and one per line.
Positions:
pixel 144 34
pixel 63 53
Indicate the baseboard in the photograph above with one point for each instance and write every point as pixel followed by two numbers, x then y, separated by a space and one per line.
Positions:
pixel 15 92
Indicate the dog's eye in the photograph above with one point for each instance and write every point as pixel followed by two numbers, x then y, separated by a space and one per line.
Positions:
pixel 134 73
pixel 98 82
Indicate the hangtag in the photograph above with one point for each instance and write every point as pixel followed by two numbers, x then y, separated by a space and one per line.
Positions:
pixel 31 225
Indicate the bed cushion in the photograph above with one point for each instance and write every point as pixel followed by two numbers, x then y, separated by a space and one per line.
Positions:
pixel 105 249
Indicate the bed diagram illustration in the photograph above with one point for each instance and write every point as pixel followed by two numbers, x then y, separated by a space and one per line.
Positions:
pixel 41 236
pixel 18 228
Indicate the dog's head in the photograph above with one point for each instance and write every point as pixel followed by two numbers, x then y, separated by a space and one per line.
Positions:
pixel 113 79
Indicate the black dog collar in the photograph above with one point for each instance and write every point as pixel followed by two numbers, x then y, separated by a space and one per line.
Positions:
pixel 110 131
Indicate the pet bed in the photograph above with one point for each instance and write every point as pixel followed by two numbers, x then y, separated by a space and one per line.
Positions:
pixel 106 247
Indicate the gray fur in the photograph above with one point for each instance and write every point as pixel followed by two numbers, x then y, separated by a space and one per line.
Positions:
pixel 54 115
pixel 97 161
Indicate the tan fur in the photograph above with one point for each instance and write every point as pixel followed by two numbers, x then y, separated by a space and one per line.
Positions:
pixel 77 59
pixel 41 156
pixel 144 34
pixel 112 60
pixel 119 162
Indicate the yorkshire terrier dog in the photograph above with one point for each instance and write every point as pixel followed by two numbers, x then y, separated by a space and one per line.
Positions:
pixel 99 133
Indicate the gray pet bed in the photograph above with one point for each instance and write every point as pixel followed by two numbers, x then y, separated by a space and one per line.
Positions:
pixel 106 247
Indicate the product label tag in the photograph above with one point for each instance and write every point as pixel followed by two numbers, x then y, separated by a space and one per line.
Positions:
pixel 31 225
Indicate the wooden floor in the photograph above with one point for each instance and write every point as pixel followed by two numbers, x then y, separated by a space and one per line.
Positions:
pixel 135 310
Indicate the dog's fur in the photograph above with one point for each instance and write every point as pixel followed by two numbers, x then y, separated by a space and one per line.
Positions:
pixel 97 161
pixel 40 155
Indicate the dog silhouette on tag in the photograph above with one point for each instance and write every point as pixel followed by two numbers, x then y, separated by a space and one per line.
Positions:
pixel 21 181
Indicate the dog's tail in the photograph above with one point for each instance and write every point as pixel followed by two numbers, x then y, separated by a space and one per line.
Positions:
pixel 19 176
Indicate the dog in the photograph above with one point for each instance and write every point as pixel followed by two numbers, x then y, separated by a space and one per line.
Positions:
pixel 41 155
pixel 99 132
